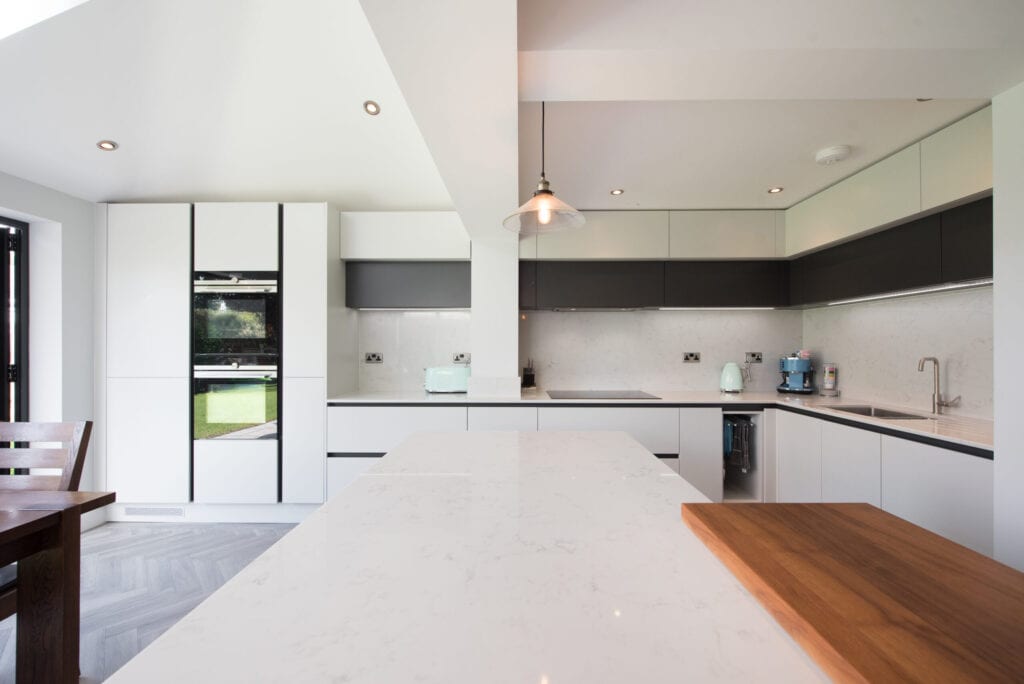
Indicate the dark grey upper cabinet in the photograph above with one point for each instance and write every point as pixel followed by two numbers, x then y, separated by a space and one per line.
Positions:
pixel 527 285
pixel 726 283
pixel 406 284
pixel 901 258
pixel 600 284
pixel 967 241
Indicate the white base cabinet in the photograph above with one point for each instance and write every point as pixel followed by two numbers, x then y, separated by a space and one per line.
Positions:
pixel 701 450
pixel 303 430
pixel 379 429
pixel 513 418
pixel 148 439
pixel 851 465
pixel 798 458
pixel 947 492
pixel 234 471
pixel 657 429
pixel 343 470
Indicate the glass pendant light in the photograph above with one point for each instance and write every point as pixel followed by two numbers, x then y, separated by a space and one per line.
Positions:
pixel 544 212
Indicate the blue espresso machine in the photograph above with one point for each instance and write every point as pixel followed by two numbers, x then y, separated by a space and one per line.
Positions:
pixel 797 375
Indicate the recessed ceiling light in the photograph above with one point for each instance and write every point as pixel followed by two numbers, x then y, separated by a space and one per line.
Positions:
pixel 107 145
pixel 617 191
pixel 371 108
pixel 776 190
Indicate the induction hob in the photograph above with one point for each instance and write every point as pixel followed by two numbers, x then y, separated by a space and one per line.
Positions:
pixel 600 394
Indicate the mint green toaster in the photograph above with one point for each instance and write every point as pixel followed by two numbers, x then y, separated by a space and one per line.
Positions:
pixel 447 379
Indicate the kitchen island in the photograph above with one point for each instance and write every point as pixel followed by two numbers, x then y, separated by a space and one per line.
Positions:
pixel 487 557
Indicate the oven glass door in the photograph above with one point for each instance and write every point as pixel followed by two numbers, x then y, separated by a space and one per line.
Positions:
pixel 238 405
pixel 240 324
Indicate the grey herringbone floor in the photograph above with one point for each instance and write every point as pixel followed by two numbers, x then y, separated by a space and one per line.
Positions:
pixel 138 579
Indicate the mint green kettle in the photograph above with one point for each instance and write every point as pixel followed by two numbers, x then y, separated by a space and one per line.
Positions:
pixel 732 378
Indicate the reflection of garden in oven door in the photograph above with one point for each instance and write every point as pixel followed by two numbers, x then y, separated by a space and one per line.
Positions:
pixel 236 410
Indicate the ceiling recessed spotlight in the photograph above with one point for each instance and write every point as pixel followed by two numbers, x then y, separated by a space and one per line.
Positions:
pixel 107 145
pixel 371 108
pixel 925 99
pixel 776 190
pixel 827 156
pixel 617 191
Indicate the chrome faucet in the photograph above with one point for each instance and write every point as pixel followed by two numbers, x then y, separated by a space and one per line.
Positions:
pixel 937 401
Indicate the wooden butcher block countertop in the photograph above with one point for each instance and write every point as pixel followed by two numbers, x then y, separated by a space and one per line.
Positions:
pixel 870 596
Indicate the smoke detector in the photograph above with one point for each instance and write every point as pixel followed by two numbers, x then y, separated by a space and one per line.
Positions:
pixel 832 155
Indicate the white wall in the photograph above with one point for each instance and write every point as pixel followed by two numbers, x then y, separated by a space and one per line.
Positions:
pixel 877 346
pixel 63 251
pixel 410 342
pixel 1008 229
pixel 644 349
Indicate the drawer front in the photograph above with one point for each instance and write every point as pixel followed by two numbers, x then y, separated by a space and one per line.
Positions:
pixel 657 429
pixel 343 471
pixel 514 418
pixel 373 429
pixel 235 471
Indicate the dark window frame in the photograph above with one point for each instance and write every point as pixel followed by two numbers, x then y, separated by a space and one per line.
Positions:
pixel 17 242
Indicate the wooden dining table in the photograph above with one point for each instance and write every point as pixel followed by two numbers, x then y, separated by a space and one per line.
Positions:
pixel 41 532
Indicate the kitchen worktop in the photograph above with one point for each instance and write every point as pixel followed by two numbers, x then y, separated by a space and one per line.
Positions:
pixel 487 557
pixel 971 432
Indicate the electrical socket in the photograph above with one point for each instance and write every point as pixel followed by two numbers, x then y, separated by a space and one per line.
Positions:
pixel 754 357
pixel 373 357
pixel 462 358
pixel 691 357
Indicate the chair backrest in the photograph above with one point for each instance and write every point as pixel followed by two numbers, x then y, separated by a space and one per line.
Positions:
pixel 69 457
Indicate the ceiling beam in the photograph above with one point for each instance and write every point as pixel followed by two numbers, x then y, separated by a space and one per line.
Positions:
pixel 767 74
pixel 455 62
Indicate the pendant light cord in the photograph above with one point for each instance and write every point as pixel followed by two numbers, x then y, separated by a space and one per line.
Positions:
pixel 542 139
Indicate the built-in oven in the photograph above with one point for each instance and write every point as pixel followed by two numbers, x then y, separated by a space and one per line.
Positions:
pixel 236 320
pixel 235 403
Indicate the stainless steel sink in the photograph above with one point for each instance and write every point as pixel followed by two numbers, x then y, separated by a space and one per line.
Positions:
pixel 875 412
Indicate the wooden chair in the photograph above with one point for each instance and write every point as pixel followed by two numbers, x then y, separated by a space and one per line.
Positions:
pixel 69 457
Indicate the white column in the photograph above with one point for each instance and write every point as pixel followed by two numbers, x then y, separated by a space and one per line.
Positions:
pixel 1008 226
pixel 494 327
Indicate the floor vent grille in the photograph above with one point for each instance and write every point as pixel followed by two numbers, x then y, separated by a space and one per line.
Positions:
pixel 152 511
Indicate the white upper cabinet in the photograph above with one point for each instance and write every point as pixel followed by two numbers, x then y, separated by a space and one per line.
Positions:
pixel 148 290
pixel 304 291
pixel 610 235
pixel 880 194
pixel 403 235
pixel 236 236
pixel 723 234
pixel 956 162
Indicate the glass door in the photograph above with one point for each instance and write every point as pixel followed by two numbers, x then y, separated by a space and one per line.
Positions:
pixel 14 345
pixel 234 405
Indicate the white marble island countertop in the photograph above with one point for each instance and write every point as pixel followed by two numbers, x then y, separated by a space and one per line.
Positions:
pixel 544 558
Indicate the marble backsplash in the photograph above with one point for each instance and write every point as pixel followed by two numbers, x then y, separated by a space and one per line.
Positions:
pixel 644 349
pixel 877 346
pixel 410 341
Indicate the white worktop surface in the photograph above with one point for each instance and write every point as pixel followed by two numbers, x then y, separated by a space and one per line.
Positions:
pixel 975 432
pixel 546 558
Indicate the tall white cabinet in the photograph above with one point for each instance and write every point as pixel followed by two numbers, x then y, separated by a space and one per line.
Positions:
pixel 310 235
pixel 148 291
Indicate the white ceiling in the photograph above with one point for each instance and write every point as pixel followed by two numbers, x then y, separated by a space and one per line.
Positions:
pixel 695 104
pixel 233 99
pixel 713 155
pixel 784 49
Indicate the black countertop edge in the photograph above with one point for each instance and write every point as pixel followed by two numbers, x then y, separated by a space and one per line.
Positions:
pixel 931 440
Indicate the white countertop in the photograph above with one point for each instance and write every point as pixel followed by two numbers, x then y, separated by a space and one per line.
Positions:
pixel 974 432
pixel 547 558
